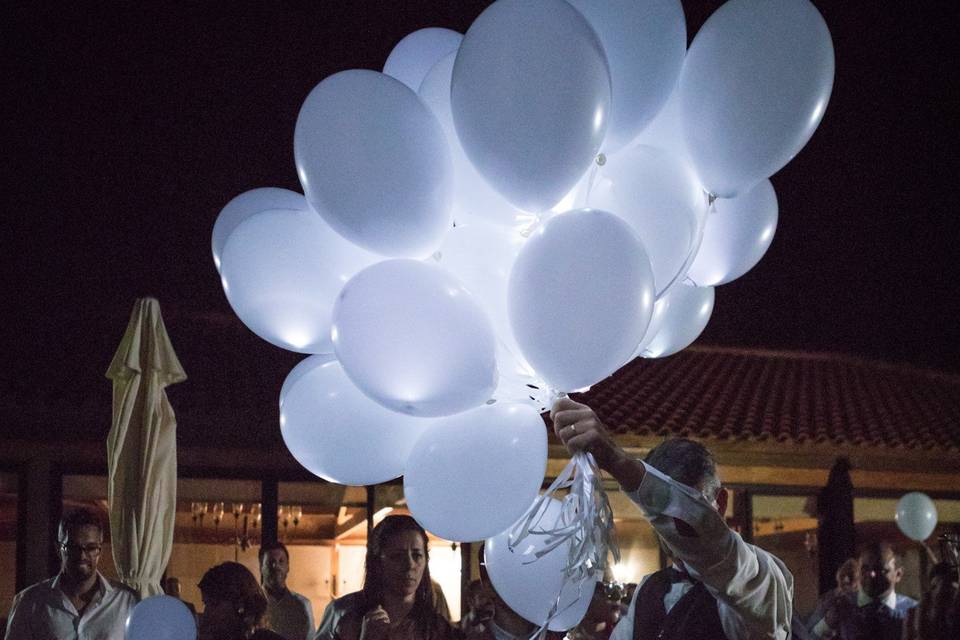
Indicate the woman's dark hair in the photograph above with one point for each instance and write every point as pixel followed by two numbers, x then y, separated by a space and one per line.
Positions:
pixel 234 583
pixel 423 611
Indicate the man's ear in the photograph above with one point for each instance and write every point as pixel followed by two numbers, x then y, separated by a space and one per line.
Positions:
pixel 722 497
pixel 898 575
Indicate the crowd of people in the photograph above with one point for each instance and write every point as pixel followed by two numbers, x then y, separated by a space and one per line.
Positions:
pixel 717 585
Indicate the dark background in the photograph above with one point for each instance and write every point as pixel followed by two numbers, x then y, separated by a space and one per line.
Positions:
pixel 127 126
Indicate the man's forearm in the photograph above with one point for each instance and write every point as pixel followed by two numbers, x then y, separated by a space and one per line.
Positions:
pixel 626 470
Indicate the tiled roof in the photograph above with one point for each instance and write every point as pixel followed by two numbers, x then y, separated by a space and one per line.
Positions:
pixel 764 396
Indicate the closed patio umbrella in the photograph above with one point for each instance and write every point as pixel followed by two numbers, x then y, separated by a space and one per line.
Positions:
pixel 142 450
pixel 836 533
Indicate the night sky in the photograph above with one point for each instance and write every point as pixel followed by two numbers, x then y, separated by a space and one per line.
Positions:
pixel 128 126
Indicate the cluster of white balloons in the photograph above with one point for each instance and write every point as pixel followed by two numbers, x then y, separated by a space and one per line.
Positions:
pixel 520 208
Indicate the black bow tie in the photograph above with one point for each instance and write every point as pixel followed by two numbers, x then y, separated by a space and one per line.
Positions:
pixel 676 575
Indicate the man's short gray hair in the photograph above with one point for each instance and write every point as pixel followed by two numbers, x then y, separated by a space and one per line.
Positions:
pixel 688 463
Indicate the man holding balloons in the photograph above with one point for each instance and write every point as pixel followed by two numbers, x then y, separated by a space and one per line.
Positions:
pixel 720 586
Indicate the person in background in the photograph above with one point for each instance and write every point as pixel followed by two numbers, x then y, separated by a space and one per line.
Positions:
pixel 878 612
pixel 479 606
pixel 171 587
pixel 601 617
pixel 396 602
pixel 78 602
pixel 288 613
pixel 233 605
pixel 719 586
pixel 848 585
pixel 937 617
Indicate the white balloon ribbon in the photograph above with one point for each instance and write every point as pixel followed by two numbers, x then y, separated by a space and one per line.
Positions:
pixel 585 524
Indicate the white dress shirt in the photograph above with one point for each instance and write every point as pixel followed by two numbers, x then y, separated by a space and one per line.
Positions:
pixel 44 612
pixel 753 588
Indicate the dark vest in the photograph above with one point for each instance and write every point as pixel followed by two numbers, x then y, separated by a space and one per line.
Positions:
pixel 694 617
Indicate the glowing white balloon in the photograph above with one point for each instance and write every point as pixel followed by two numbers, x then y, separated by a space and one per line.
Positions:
pixel 474 474
pixel 247 204
pixel 531 98
pixel 662 200
pixel 531 587
pixel 687 313
pixel 645 43
pixel 753 89
pixel 579 297
pixel 737 234
pixel 413 339
pixel 339 434
pixel 282 271
pixel 418 52
pixel 916 515
pixel 373 162
pixel 471 192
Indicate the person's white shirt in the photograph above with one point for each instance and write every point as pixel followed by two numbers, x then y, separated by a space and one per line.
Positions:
pixel 753 588
pixel 44 612
pixel 291 616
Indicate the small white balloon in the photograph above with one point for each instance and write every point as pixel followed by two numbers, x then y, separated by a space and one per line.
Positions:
pixel 414 339
pixel 418 52
pixel 474 474
pixel 374 163
pixel 916 515
pixel 687 313
pixel 736 235
pixel 531 98
pixel 472 194
pixel 282 270
pixel 160 618
pixel 338 433
pixel 645 43
pixel 580 297
pixel 247 204
pixel 530 586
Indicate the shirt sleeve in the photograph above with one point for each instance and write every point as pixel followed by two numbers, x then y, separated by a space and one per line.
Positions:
pixel 18 624
pixel 753 587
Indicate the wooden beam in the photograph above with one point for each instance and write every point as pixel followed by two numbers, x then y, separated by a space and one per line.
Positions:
pixel 348 519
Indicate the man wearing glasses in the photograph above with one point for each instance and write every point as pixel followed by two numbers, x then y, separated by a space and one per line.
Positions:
pixel 78 602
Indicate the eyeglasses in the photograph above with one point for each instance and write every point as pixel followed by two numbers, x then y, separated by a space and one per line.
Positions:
pixel 92 549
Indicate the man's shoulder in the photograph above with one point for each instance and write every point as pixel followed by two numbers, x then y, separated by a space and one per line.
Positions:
pixel 122 591
pixel 35 591
pixel 905 603
pixel 302 599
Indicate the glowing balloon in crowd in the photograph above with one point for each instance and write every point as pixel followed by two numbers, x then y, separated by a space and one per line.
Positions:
pixel 413 339
pixel 916 515
pixel 531 98
pixel 282 271
pixel 339 434
pixel 373 162
pixel 418 52
pixel 531 587
pixel 687 312
pixel 472 475
pixel 645 43
pixel 753 89
pixel 579 297
pixel 160 618
pixel 736 235
pixel 247 204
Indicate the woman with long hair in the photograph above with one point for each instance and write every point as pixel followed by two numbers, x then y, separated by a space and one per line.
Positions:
pixel 233 605
pixel 396 602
